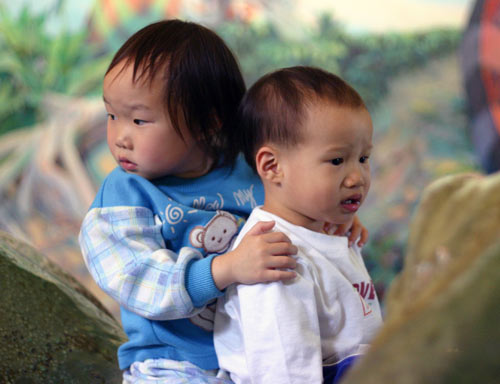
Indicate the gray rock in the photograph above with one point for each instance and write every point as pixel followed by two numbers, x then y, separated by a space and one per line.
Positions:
pixel 452 339
pixel 444 307
pixel 51 329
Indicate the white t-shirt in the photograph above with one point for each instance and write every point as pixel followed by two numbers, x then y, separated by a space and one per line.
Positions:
pixel 284 332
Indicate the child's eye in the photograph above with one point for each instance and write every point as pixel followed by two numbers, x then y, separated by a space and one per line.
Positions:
pixel 364 159
pixel 139 122
pixel 337 161
pixel 111 116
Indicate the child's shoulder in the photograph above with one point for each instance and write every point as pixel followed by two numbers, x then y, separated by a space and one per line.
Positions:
pixel 122 182
pixel 122 188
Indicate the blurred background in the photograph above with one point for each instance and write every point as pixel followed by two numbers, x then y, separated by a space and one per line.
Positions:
pixel 428 70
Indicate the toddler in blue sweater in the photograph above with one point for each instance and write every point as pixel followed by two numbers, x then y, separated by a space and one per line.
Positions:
pixel 157 235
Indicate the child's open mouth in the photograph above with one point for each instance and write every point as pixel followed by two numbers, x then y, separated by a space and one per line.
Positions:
pixel 351 204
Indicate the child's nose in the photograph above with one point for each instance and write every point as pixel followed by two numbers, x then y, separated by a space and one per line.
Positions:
pixel 354 177
pixel 123 140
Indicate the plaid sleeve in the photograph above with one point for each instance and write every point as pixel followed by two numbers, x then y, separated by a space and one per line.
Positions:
pixel 126 255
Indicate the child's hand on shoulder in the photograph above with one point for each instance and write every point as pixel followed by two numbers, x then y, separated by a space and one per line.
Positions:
pixel 260 257
pixel 353 231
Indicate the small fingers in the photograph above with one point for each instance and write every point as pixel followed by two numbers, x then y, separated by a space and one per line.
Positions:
pixel 260 228
pixel 364 237
pixel 281 262
pixel 275 237
pixel 280 249
pixel 278 275
pixel 341 229
pixel 263 249
pixel 354 234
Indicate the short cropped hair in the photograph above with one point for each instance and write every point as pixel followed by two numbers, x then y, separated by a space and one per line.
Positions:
pixel 203 84
pixel 274 108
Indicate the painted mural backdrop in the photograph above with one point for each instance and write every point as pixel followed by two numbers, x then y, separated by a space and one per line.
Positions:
pixel 52 124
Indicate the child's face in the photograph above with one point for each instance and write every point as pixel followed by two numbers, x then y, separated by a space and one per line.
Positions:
pixel 327 175
pixel 140 135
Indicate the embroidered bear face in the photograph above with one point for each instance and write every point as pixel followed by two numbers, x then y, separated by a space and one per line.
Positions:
pixel 205 319
pixel 217 235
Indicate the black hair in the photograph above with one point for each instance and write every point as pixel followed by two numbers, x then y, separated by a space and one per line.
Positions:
pixel 203 85
pixel 273 109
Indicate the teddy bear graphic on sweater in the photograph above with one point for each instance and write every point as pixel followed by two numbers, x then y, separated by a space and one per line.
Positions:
pixel 217 235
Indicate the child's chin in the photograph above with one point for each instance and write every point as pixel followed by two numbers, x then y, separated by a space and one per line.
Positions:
pixel 345 218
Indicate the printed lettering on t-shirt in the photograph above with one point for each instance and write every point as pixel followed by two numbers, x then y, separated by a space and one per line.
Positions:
pixel 366 290
pixel 366 307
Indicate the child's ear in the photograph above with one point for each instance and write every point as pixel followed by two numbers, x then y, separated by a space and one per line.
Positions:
pixel 267 164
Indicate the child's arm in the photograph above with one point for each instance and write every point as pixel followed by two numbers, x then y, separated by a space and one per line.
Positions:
pixel 126 255
pixel 260 257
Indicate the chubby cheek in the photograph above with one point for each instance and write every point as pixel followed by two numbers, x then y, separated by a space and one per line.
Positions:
pixel 154 154
pixel 317 195
pixel 111 140
pixel 367 184
pixel 328 199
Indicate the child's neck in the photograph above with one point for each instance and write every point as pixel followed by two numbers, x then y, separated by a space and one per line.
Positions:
pixel 202 170
pixel 329 228
pixel 294 217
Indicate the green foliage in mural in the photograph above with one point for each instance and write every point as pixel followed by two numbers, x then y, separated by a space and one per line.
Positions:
pixel 262 48
pixel 368 62
pixel 373 60
pixel 429 128
pixel 34 62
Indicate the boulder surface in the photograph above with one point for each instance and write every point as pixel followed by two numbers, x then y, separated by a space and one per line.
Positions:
pixel 51 329
pixel 443 309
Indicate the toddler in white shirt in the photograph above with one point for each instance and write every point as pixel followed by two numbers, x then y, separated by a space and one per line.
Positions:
pixel 308 135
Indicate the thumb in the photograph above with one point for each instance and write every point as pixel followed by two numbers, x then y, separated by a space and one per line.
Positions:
pixel 261 227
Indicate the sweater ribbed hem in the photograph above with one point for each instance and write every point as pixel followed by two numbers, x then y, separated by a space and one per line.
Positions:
pixel 199 281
